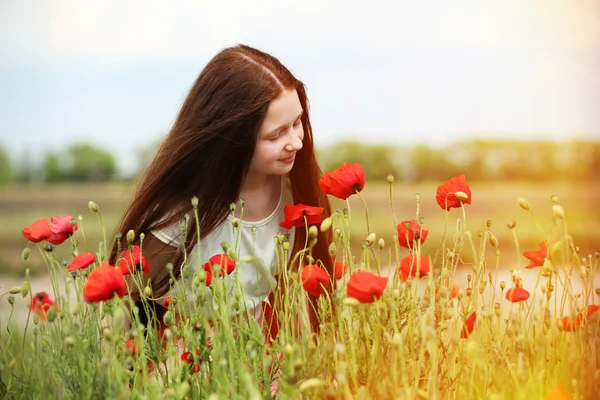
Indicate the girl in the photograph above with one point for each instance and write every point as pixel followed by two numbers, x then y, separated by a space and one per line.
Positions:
pixel 243 132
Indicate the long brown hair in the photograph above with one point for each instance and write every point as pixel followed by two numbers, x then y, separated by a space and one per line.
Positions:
pixel 208 151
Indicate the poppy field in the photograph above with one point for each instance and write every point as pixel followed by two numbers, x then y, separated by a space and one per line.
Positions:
pixel 456 309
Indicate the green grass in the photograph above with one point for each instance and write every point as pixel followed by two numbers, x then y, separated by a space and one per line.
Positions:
pixel 22 204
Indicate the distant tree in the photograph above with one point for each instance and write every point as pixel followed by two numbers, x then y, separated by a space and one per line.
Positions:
pixel 52 170
pixel 377 160
pixel 88 163
pixel 432 164
pixel 5 166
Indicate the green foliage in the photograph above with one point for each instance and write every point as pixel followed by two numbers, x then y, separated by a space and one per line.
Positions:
pixel 80 163
pixel 498 160
pixel 5 166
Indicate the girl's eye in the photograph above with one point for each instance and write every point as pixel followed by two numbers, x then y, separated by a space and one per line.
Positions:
pixel 297 122
pixel 275 137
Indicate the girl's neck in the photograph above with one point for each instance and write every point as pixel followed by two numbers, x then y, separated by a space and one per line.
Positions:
pixel 259 182
pixel 261 196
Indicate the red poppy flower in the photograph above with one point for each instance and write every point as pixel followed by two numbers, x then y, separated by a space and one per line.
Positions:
pixel 468 326
pixel 592 309
pixel 209 277
pixel 131 347
pixel 339 269
pixel 559 392
pixel 453 291
pixel 37 231
pixel 103 283
pixel 41 303
pixel 344 181
pixel 536 257
pixel 167 301
pixel 408 267
pixel 63 225
pixel 82 261
pixel 188 358
pixel 133 262
pixel 57 238
pixel 446 192
pixel 227 264
pixel 410 232
pixel 517 294
pixel 315 280
pixel 570 324
pixel 365 286
pixel 295 216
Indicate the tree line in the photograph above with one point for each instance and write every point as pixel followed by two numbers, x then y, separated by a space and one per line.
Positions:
pixel 479 159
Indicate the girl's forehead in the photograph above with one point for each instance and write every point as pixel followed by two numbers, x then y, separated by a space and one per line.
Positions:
pixel 282 110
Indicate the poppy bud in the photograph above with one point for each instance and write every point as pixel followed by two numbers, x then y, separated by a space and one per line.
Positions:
pixel 48 248
pixel 511 225
pixel 118 317
pixel 371 238
pixel 185 272
pixel 232 207
pixel 351 301
pixel 51 315
pixel 76 309
pixel 36 319
pixel 231 253
pixel 107 334
pixel 502 285
pixel 70 341
pixel 147 291
pixel 390 178
pixel 15 290
pixel 168 318
pixel 93 207
pixel 288 349
pixel 235 222
pixel 312 232
pixel 493 241
pixel 554 199
pixel 26 253
pixel 194 201
pixel 462 196
pixel 524 204
pixel 286 245
pixel 558 211
pixel 169 267
pixel 332 249
pixel 202 275
pixel 11 300
pixel 130 236
pixel 381 243
pixel 337 232
pixel 396 294
pixel 326 224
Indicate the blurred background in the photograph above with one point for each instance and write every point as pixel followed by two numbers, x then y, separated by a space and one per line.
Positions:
pixel 507 92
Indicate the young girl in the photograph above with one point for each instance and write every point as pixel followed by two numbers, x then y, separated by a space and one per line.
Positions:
pixel 243 132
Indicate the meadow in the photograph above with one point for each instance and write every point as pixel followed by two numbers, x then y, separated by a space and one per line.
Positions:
pixel 496 201
pixel 476 324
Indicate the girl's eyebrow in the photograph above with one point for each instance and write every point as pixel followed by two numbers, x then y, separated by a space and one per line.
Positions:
pixel 284 125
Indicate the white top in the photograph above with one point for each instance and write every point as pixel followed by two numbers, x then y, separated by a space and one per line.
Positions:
pixel 256 278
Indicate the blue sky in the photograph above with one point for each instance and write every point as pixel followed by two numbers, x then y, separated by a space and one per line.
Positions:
pixel 114 74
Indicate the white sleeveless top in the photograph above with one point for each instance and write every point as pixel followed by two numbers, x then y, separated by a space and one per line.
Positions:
pixel 256 278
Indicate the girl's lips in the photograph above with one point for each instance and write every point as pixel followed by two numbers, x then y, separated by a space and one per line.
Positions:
pixel 288 160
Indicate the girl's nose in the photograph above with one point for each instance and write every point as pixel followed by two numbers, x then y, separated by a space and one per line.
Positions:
pixel 295 143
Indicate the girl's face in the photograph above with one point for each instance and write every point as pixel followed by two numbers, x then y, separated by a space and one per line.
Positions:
pixel 280 136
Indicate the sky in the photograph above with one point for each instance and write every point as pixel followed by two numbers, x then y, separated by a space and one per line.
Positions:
pixel 114 74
